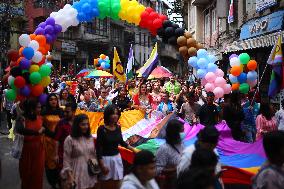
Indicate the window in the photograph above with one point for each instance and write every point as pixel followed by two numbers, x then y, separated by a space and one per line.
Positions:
pixel 207 25
pixel 250 5
pixel 214 21
pixel 116 33
pixel 98 27
pixel 192 17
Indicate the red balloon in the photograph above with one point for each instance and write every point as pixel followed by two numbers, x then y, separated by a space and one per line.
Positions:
pixel 157 23
pixel 19 82
pixel 13 55
pixel 36 90
pixel 20 98
pixel 163 17
pixel 153 15
pixel 42 61
pixel 144 15
pixel 142 24
pixel 149 9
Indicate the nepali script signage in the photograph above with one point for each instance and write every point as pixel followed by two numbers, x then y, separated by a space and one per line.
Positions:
pixel 264 4
pixel 262 25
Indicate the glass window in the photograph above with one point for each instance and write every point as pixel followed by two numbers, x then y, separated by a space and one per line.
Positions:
pixel 98 27
pixel 214 21
pixel 207 25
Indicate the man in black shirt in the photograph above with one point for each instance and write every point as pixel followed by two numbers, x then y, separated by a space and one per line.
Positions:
pixel 208 112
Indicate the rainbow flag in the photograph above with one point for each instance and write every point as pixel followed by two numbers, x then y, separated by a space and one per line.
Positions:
pixel 150 65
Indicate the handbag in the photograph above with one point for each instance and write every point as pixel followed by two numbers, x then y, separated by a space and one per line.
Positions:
pixel 93 165
pixel 18 144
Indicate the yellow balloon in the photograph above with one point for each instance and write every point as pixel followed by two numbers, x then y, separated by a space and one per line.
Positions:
pixel 34 68
pixel 45 81
pixel 124 3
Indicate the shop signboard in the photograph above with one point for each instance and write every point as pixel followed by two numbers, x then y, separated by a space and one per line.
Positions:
pixel 262 25
pixel 68 47
pixel 261 5
pixel 15 8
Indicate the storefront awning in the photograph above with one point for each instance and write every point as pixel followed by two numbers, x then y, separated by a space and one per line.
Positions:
pixel 257 42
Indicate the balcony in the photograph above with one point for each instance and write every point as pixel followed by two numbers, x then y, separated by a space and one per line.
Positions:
pixel 201 3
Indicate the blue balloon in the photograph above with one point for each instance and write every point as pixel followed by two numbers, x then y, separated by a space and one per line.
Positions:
pixel 81 16
pixel 212 67
pixel 202 63
pixel 242 78
pixel 192 61
pixel 25 91
pixel 202 53
pixel 25 64
pixel 107 66
pixel 201 73
pixel 95 12
pixel 101 61
pixel 28 53
pixel 86 8
pixel 233 79
pixel 251 76
pixel 212 58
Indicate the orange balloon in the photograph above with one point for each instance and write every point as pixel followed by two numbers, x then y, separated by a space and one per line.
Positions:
pixel 96 61
pixel 199 46
pixel 181 41
pixel 21 51
pixel 252 65
pixel 41 40
pixel 192 51
pixel 42 50
pixel 42 61
pixel 36 90
pixel 183 50
pixel 33 36
pixel 236 70
pixel 102 56
pixel 235 86
pixel 187 35
pixel 191 42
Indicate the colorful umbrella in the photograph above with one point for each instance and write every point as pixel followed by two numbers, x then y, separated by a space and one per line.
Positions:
pixel 99 74
pixel 83 73
pixel 160 72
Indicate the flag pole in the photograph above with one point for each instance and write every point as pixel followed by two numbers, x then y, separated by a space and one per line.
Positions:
pixel 257 89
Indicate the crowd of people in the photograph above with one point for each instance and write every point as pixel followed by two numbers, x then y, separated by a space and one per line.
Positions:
pixel 59 142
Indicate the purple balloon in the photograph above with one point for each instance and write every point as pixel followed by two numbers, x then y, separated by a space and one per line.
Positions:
pixel 48 38
pixel 57 28
pixel 232 56
pixel 25 64
pixel 25 91
pixel 39 31
pixel 49 29
pixel 42 98
pixel 42 25
pixel 50 21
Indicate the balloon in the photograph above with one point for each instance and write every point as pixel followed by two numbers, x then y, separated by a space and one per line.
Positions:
pixel 169 31
pixel 28 53
pixel 192 51
pixel 107 66
pixel 232 56
pixel 212 58
pixel 183 50
pixel 219 92
pixel 19 82
pixel 187 35
pixel 179 32
pixel 42 99
pixel 57 28
pixel 199 46
pixel 157 23
pixel 37 57
pixel 41 40
pixel 32 36
pixel 252 83
pixel 36 90
pixel 191 42
pixel 220 82
pixel 39 31
pixel 11 80
pixel 44 70
pixel 35 77
pixel 34 68
pixel 202 62
pixel 242 78
pixel 34 45
pixel 227 88
pixel 212 67
pixel 236 70
pixel 13 55
pixel 201 73
pixel 252 65
pixel 25 64
pixel 11 94
pixel 50 21
pixel 192 61
pixel 209 87
pixel 16 71
pixel 181 41
pixel 203 81
pixel 49 64
pixel 235 86
pixel 24 40
pixel 235 61
pixel 244 58
pixel 202 53
pixel 233 79
pixel 219 73
pixel 42 25
pixel 252 76
pixel 244 88
pixel 210 77
pixel 167 24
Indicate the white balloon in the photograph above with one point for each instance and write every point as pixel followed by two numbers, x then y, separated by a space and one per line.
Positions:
pixel 34 45
pixel 72 12
pixel 37 57
pixel 24 40
pixel 11 80
pixel 235 61
pixel 75 22
pixel 53 14
pixel 67 6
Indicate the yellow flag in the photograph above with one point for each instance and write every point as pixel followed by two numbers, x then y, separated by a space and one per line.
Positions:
pixel 117 67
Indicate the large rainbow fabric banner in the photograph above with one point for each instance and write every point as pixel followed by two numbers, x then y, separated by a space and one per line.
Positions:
pixel 241 160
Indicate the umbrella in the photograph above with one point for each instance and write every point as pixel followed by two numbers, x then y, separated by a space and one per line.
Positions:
pixel 83 73
pixel 160 72
pixel 99 74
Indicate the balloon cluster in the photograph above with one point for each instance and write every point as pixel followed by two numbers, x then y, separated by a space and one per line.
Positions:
pixel 87 10
pixel 187 45
pixel 130 11
pixel 209 73
pixel 102 63
pixel 110 8
pixel 170 32
pixel 243 74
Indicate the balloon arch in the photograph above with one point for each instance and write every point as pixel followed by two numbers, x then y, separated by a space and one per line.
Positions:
pixel 31 67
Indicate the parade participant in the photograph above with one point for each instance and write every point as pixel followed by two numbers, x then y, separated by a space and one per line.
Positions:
pixel 132 88
pixel 109 137
pixel 143 172
pixel 156 95
pixel 271 174
pixel 122 101
pixel 79 149
pixel 51 116
pixel 143 100
pixel 172 86
pixel 82 88
pixel 206 139
pixel 200 95
pixel 63 130
pixel 103 102
pixel 31 163
pixel 169 154
pixel 265 121
pixel 166 106
pixel 208 113
pixel 279 116
pixel 65 97
pixel 7 106
pixel 190 109
pixel 88 104
pixel 181 97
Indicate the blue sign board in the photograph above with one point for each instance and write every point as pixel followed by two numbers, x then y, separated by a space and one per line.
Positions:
pixel 262 25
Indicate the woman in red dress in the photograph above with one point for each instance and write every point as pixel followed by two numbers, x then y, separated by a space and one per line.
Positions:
pixel 31 163
pixel 143 100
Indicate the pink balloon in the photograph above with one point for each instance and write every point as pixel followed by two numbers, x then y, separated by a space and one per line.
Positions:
pixel 209 87
pixel 219 92
pixel 210 77
pixel 219 73
pixel 227 88
pixel 220 81
pixel 203 81
pixel 252 83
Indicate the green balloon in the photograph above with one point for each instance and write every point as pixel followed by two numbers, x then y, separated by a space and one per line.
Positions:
pixel 35 77
pixel 13 86
pixel 244 58
pixel 11 94
pixel 44 70
pixel 24 71
pixel 244 88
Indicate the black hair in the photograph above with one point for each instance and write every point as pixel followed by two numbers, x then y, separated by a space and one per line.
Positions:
pixel 29 107
pixel 61 92
pixel 190 95
pixel 273 143
pixel 76 130
pixel 209 135
pixel 265 110
pixel 71 105
pixel 144 157
pixel 108 112
pixel 173 129
pixel 203 158
pixel 48 109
